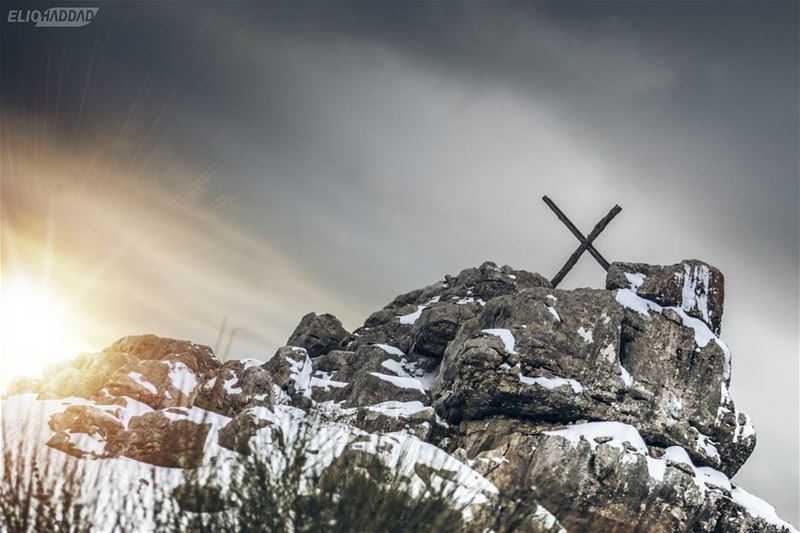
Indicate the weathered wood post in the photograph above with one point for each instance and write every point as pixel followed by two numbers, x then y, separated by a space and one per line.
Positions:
pixel 586 242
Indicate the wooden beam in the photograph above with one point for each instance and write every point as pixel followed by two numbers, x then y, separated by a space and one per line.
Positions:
pixel 586 242
pixel 575 231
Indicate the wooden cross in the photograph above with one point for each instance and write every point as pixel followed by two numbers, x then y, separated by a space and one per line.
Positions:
pixel 586 242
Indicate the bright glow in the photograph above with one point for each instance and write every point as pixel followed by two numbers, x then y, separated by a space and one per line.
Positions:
pixel 36 329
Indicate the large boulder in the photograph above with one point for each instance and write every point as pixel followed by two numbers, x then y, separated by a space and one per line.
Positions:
pixel 694 286
pixel 237 385
pixel 83 376
pixel 236 434
pixel 318 334
pixel 422 322
pixel 156 383
pixel 88 374
pixel 86 430
pixel 161 440
pixel 600 355
pixel 493 365
pixel 616 482
pixel 199 358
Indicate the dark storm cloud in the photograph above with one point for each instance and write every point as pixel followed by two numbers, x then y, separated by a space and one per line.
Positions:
pixel 353 151
pixel 723 75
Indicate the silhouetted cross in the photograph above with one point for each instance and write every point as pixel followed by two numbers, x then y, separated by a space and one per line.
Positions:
pixel 586 242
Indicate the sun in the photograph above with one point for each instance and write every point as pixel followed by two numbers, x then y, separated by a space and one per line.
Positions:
pixel 36 329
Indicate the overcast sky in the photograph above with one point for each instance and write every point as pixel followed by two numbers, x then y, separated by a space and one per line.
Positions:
pixel 175 164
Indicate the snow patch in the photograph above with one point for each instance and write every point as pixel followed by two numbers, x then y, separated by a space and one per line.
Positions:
pixel 396 409
pixel 506 336
pixel 694 294
pixel 412 317
pixel 610 353
pixel 586 335
pixel 705 443
pixel 139 380
pixel 391 350
pixel 757 507
pixel 636 279
pixel 408 369
pixel 229 385
pixel 182 378
pixel 401 382
pixel 249 362
pixel 626 376
pixel 552 383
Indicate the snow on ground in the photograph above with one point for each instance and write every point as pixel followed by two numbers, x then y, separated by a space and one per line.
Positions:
pixel 302 373
pixel 468 300
pixel 705 442
pixel 249 362
pixel 755 506
pixel 744 429
pixel 402 453
pixel 609 352
pixel 128 486
pixel 626 377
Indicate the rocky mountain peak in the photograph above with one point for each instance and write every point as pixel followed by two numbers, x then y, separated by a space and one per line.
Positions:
pixel 608 408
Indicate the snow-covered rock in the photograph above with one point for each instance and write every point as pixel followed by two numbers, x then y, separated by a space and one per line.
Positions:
pixel 479 385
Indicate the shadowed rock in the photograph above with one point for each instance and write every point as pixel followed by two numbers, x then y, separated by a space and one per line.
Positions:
pixel 318 334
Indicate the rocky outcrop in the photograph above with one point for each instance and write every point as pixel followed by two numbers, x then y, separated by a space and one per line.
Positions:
pixel 238 384
pixel 160 440
pixel 696 287
pixel 616 397
pixel 598 355
pixel 165 371
pixel 619 485
pixel 318 334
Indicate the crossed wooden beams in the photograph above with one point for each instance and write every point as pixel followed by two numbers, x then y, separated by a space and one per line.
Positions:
pixel 586 242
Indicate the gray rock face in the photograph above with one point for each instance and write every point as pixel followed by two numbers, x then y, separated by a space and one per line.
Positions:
pixel 422 322
pixel 200 359
pixel 237 385
pixel 318 334
pixel 89 421
pixel 696 287
pixel 598 355
pixel 88 374
pixel 237 433
pixel 157 439
pixel 615 483
pixel 159 384
pixel 599 409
